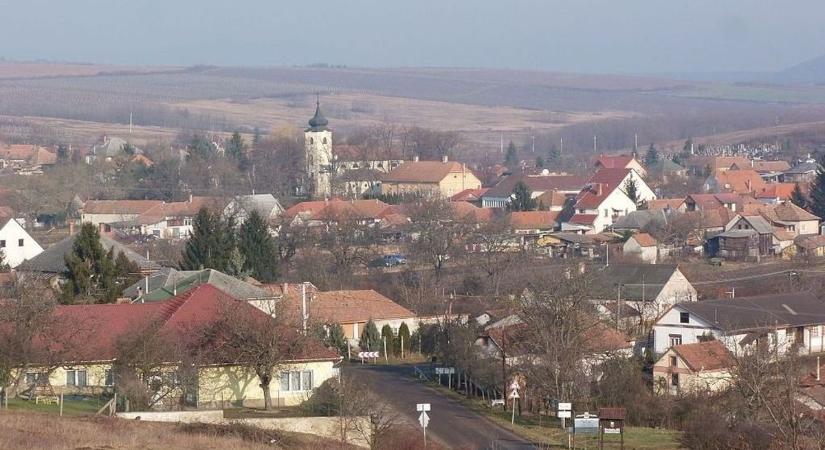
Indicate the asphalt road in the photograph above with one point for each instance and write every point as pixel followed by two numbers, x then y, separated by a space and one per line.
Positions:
pixel 451 424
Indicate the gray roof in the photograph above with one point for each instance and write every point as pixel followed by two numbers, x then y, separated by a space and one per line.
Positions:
pixel 52 260
pixel 744 314
pixel 637 220
pixel 575 238
pixel 318 122
pixel 760 224
pixel 177 282
pixel 804 167
pixel 164 277
pixel 639 281
pixel 265 204
pixel 735 234
pixel 665 165
pixel 113 147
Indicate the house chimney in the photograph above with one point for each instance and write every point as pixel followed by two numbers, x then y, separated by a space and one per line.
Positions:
pixel 445 158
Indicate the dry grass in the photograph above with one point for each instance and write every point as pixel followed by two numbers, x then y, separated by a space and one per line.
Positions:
pixel 41 431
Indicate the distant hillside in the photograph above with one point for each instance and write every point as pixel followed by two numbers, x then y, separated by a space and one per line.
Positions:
pixel 808 72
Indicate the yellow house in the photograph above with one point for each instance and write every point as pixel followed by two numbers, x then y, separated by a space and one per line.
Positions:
pixel 703 366
pixel 445 178
pixel 89 338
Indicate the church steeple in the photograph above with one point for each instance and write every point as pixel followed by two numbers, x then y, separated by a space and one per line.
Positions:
pixel 318 122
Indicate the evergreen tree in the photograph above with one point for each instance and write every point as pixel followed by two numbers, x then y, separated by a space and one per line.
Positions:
pixel 798 198
pixel 202 148
pixel 256 137
pixel 93 273
pixel 554 154
pixel 816 199
pixel 539 162
pixel 212 244
pixel 652 156
pixel 63 153
pixel 403 339
pixel 389 336
pixel 631 190
pixel 370 338
pixel 258 249
pixel 336 338
pixel 236 149
pixel 511 157
pixel 522 199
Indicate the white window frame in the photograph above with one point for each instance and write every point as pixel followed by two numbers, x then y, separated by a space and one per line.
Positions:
pixel 288 379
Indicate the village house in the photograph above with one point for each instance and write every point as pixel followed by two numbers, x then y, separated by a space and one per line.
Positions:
pixel 808 245
pixel 745 181
pixel 620 162
pixel 472 196
pixel 786 320
pixel 107 149
pixel 604 200
pixel 266 205
pixel 323 212
pixel 16 245
pixel 648 288
pixel 705 165
pixel 563 186
pixel 666 170
pixel 445 178
pixel 702 366
pixel 804 172
pixel 349 158
pixel 173 220
pixel 776 193
pixel 704 202
pixel 788 217
pixel 642 246
pixel 108 212
pixel 770 171
pixel 26 159
pixel 642 219
pixel 169 282
pixel 667 204
pixel 89 336
pixel 351 309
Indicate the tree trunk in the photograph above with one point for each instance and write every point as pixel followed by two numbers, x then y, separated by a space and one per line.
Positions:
pixel 267 395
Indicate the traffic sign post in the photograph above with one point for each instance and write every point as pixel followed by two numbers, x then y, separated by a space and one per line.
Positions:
pixel 423 418
pixel 514 387
pixel 367 355
pixel 564 412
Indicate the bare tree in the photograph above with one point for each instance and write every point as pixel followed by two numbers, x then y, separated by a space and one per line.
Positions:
pixel 243 335
pixel 437 234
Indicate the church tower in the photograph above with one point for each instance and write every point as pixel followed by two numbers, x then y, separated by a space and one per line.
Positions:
pixel 318 149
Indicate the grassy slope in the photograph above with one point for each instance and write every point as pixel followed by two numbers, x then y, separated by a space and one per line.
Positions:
pixel 45 431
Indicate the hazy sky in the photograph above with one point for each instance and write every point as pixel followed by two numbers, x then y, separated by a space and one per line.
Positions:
pixel 571 35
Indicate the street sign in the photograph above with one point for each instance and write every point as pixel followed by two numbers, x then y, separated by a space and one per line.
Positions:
pixel 514 394
pixel 612 431
pixel 422 407
pixel 424 419
pixel 563 414
pixel 445 370
pixel 368 355
pixel 565 406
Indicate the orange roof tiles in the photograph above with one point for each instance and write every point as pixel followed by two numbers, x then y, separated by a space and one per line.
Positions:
pixel 781 191
pixel 740 181
pixel 350 306
pixel 533 220
pixel 710 355
pixel 119 206
pixel 644 239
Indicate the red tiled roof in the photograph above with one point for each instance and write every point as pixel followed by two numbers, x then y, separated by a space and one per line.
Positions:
pixel 764 166
pixel 781 191
pixel 583 219
pixel 710 355
pixel 119 206
pixel 32 154
pixel 423 172
pixel 600 186
pixel 718 162
pixel 331 209
pixel 350 306
pixel 533 220
pixel 614 161
pixel 469 195
pixel 644 239
pixel 93 331
pixel 666 203
pixel 740 181
pixel 552 199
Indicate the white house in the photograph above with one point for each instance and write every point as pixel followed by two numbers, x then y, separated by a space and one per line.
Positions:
pixel 794 319
pixel 604 199
pixel 642 245
pixel 649 288
pixel 16 244
pixel 265 204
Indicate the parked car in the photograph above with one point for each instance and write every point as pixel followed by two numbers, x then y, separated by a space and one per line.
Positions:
pixel 394 260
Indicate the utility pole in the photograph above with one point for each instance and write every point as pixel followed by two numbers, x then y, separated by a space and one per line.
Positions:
pixel 534 143
pixel 594 143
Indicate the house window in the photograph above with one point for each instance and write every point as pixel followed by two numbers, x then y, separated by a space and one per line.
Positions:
pixel 684 317
pixel 76 378
pixel 815 331
pixel 674 379
pixel 673 362
pixel 675 339
pixel 296 380
pixel 109 378
pixel 2 243
pixel 606 212
pixel 20 242
pixel 33 378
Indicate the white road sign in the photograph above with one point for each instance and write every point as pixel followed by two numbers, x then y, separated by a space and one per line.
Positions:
pixel 422 407
pixel 565 407
pixel 444 370
pixel 514 394
pixel 368 354
pixel 424 419
pixel 563 414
